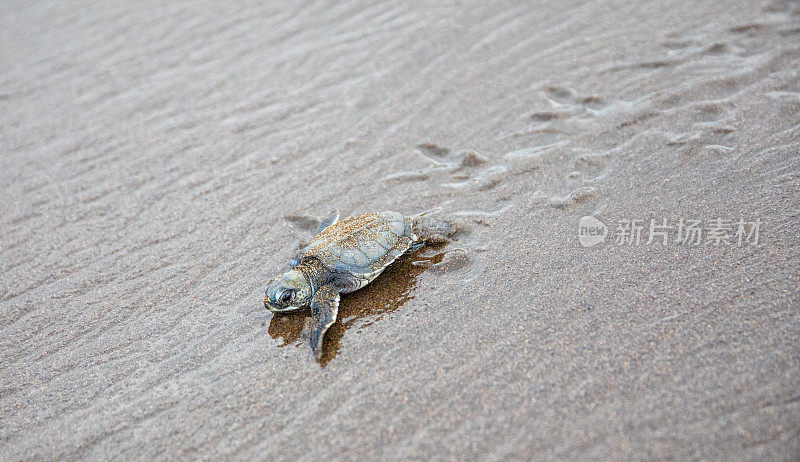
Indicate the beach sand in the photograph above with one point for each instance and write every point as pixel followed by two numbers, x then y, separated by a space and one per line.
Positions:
pixel 161 161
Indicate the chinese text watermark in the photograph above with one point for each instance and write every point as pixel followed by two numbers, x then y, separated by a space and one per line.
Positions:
pixel 684 231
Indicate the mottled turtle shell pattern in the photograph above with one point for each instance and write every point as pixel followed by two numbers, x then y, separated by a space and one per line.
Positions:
pixel 358 249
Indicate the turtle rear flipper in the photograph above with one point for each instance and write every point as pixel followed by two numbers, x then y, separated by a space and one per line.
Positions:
pixel 431 230
pixel 324 308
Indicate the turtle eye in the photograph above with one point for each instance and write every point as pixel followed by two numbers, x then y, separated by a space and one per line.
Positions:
pixel 286 296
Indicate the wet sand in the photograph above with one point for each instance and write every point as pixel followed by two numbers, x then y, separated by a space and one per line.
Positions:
pixel 159 163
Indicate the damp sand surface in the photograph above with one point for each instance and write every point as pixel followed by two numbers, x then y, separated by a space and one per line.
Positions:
pixel 159 163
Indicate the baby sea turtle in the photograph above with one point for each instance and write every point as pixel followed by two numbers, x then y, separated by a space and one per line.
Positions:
pixel 345 256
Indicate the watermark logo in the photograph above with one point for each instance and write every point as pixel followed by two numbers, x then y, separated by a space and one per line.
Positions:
pixel 691 232
pixel 591 231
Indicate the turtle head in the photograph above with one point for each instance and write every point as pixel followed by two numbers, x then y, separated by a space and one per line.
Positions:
pixel 288 292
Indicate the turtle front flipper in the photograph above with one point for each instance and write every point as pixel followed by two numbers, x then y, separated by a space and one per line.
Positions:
pixel 324 307
pixel 296 259
pixel 328 221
